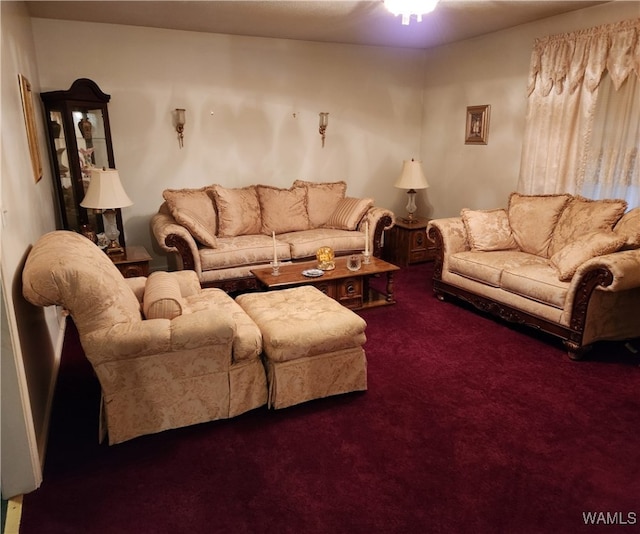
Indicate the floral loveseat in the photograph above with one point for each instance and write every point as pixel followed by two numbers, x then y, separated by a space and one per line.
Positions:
pixel 222 233
pixel 566 265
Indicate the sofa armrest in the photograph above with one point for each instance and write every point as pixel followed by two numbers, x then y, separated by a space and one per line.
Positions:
pixel 173 237
pixel 379 219
pixel 618 272
pixel 137 284
pixel 450 237
pixel 131 340
pixel 624 267
pixel 188 282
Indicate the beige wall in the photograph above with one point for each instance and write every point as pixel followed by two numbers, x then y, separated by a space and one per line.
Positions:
pixel 240 96
pixel 487 70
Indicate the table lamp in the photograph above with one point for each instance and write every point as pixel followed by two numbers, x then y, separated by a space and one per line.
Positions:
pixel 106 193
pixel 411 178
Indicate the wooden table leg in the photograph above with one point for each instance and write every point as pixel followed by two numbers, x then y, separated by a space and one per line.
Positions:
pixel 390 287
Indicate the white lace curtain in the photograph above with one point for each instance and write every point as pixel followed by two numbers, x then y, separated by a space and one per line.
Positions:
pixel 582 127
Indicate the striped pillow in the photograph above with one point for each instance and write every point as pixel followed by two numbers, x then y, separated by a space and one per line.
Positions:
pixel 162 298
pixel 348 213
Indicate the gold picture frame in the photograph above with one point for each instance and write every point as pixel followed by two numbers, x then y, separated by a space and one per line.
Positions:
pixel 30 123
pixel 477 128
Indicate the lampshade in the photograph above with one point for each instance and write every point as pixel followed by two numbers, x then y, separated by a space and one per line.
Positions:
pixel 412 176
pixel 105 191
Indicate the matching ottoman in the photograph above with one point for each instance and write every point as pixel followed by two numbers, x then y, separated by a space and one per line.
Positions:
pixel 312 344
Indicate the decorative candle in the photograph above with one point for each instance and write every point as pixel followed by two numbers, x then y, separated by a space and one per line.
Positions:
pixel 366 237
pixel 275 253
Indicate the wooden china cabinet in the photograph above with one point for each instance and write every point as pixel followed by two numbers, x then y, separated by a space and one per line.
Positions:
pixel 79 138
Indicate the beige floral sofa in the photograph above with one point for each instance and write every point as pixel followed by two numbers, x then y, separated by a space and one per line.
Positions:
pixel 222 233
pixel 567 265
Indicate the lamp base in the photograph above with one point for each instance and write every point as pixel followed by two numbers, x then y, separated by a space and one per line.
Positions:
pixel 409 219
pixel 411 207
pixel 114 248
pixel 111 232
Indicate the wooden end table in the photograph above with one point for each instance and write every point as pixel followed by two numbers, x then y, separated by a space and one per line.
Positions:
pixel 350 288
pixel 407 243
pixel 133 262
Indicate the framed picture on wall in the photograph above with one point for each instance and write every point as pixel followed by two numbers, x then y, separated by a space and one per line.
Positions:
pixel 477 128
pixel 30 123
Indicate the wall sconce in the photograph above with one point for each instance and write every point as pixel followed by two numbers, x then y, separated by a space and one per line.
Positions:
pixel 180 120
pixel 324 122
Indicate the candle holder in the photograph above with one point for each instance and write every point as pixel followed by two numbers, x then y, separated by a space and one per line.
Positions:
pixel 366 257
pixel 275 268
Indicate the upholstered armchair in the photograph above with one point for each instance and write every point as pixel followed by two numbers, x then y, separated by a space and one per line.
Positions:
pixel 167 353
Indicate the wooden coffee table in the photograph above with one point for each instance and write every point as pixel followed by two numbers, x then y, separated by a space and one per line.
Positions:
pixel 351 288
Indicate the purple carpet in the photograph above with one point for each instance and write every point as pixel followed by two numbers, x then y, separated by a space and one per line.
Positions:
pixel 469 425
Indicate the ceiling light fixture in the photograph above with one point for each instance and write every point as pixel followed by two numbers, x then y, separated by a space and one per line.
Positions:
pixel 406 8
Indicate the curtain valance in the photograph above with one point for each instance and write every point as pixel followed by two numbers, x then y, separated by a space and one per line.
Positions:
pixel 564 62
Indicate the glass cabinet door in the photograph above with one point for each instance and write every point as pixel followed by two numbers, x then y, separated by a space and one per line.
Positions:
pixel 90 138
pixel 79 139
pixel 62 174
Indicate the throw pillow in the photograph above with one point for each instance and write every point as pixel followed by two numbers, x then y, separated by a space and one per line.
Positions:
pixel 322 199
pixel 348 213
pixel 238 211
pixel 283 210
pixel 488 229
pixel 194 209
pixel 533 218
pixel 582 216
pixel 162 298
pixel 587 246
pixel 629 227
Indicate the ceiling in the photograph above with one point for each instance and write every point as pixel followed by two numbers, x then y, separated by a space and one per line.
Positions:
pixel 364 22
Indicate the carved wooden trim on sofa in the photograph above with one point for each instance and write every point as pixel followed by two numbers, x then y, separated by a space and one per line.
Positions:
pixel 184 251
pixel 571 336
pixel 384 222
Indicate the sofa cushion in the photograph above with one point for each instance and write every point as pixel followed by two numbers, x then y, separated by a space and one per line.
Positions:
pixel 487 267
pixel 305 244
pixel 162 298
pixel 238 211
pixel 195 210
pixel 322 199
pixel 283 210
pixel 243 250
pixel 488 229
pixel 247 343
pixel 536 281
pixel 533 219
pixel 587 246
pixel 348 213
pixel 629 227
pixel 582 216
